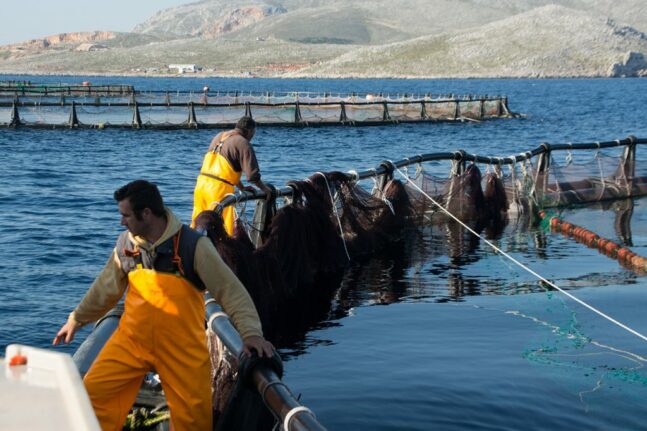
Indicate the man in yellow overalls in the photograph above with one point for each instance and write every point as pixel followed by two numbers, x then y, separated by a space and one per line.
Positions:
pixel 230 154
pixel 166 266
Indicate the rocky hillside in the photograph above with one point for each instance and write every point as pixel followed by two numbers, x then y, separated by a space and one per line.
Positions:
pixel 206 20
pixel 364 21
pixel 36 46
pixel 551 41
pixel 368 38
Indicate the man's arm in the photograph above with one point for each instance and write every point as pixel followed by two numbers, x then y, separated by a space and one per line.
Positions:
pixel 229 292
pixel 249 165
pixel 264 188
pixel 104 294
pixel 258 183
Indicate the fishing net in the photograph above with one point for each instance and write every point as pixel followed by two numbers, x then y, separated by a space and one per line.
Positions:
pixel 332 219
pixel 553 179
pixel 309 242
pixel 28 89
pixel 118 107
pixel 479 200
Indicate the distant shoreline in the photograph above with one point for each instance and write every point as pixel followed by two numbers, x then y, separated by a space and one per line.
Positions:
pixel 299 77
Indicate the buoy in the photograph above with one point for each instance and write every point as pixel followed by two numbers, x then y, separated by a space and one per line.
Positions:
pixel 609 248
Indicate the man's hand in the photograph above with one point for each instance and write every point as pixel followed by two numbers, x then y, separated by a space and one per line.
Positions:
pixel 265 189
pixel 260 344
pixel 67 331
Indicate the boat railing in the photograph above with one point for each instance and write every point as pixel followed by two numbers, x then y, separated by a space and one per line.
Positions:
pixel 275 394
pixel 278 398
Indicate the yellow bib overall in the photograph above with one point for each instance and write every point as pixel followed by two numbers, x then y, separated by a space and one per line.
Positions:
pixel 216 180
pixel 162 328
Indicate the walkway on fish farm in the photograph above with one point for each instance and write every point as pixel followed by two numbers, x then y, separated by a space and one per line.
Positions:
pixel 292 257
pixel 123 107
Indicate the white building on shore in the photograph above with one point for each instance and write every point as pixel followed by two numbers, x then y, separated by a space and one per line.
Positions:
pixel 185 68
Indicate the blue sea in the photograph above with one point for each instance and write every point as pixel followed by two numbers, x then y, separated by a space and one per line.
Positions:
pixel 414 339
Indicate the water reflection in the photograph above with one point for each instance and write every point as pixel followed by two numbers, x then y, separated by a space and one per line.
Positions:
pixel 447 263
pixel 624 209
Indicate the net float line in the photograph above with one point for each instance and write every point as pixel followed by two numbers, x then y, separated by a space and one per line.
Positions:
pixel 612 249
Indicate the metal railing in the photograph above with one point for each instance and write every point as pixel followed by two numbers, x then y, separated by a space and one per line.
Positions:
pixel 275 394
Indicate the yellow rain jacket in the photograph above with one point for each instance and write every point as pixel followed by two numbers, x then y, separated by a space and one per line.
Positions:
pixel 217 179
pixel 162 327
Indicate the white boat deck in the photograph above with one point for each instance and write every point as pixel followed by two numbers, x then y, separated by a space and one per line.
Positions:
pixel 45 393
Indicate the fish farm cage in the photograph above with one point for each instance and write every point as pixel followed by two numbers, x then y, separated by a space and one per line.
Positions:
pixel 485 188
pixel 89 106
pixel 26 88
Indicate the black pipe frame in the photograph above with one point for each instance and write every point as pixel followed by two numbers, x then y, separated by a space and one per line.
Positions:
pixel 458 156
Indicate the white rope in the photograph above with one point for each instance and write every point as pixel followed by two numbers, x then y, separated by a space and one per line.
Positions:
pixel 527 269
pixel 291 413
pixel 450 193
pixel 334 209
pixel 498 171
pixel 515 187
pixel 382 195
pixel 388 204
pixel 240 215
pixel 488 168
pixel 601 167
pixel 374 178
pixel 418 170
pixel 569 156
pixel 528 182
pixel 556 173
pixel 627 183
pixel 406 167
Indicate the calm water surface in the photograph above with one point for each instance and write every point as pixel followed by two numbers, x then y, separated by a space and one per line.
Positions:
pixel 464 342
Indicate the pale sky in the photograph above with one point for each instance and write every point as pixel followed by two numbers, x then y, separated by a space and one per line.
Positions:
pixel 30 19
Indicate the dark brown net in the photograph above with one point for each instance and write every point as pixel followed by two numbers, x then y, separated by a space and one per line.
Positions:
pixel 293 273
pixel 331 220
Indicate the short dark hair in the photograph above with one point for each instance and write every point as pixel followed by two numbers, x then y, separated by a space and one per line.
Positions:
pixel 246 124
pixel 142 194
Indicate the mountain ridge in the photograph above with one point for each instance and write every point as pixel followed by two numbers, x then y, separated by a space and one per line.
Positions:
pixel 376 38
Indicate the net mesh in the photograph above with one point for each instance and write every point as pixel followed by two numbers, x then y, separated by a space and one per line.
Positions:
pixel 119 108
pixel 331 219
